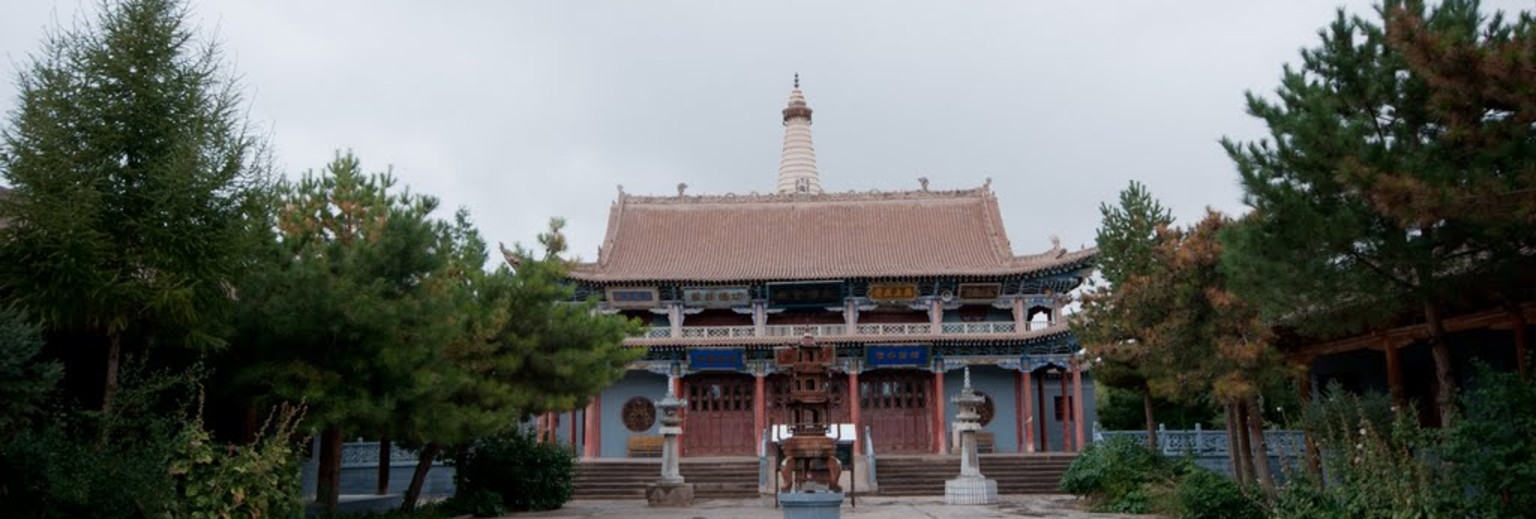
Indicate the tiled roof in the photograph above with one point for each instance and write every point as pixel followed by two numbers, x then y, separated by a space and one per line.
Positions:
pixel 821 236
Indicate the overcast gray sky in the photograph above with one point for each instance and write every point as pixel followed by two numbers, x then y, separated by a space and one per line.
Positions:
pixel 522 111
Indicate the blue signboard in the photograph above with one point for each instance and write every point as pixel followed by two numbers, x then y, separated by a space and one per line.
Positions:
pixel 810 293
pixel 630 297
pixel 890 356
pixel 717 359
pixel 717 297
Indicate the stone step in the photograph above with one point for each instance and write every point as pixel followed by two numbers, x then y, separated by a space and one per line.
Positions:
pixel 925 476
pixel 627 480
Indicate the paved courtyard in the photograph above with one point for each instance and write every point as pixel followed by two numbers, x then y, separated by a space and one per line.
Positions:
pixel 873 507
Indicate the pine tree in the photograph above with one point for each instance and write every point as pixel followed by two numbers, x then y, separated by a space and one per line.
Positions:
pixel 1109 328
pixel 348 315
pixel 132 173
pixel 523 349
pixel 1393 172
pixel 1209 343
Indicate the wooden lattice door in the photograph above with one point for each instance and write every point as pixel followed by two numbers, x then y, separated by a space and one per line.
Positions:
pixel 718 421
pixel 894 404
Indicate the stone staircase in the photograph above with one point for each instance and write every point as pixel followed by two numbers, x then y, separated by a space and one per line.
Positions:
pixel 1015 473
pixel 721 478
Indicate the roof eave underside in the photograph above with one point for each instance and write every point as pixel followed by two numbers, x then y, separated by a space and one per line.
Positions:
pixel 1072 265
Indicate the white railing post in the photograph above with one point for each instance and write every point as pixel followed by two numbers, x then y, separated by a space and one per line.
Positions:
pixel 1162 432
pixel 1199 439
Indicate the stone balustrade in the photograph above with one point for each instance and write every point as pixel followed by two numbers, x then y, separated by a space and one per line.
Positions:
pixel 834 330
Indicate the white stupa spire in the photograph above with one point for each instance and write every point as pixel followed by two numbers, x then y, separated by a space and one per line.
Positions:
pixel 797 166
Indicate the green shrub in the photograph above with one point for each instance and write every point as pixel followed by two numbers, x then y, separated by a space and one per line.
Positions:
pixel 25 381
pixel 1379 463
pixel 1203 494
pixel 1116 474
pixel 59 471
pixel 260 479
pixel 1492 447
pixel 86 464
pixel 1303 496
pixel 478 502
pixel 526 474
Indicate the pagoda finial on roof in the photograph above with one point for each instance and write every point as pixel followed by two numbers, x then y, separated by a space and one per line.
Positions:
pixel 797 165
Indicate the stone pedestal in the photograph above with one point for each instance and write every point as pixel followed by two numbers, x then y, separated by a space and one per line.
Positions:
pixel 974 490
pixel 670 490
pixel 971 488
pixel 811 505
pixel 669 494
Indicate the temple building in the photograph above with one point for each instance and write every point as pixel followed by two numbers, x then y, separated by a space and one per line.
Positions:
pixel 908 287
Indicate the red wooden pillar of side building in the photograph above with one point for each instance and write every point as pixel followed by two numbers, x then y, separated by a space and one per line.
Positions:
pixel 1522 361
pixel 938 411
pixel 1077 405
pixel 591 447
pixel 1394 373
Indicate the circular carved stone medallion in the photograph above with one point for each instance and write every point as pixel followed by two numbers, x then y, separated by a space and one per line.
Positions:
pixel 987 410
pixel 639 414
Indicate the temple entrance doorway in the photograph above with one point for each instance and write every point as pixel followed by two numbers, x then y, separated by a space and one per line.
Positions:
pixel 718 419
pixel 894 404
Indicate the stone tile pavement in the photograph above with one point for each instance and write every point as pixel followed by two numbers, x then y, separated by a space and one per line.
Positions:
pixel 871 507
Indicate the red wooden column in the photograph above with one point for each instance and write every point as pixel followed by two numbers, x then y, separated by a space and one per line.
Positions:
pixel 854 410
pixel 1045 439
pixel 759 405
pixel 1304 385
pixel 937 402
pixel 1077 404
pixel 1521 362
pixel 551 422
pixel 591 447
pixel 1027 417
pixel 1066 432
pixel 1018 409
pixel 1394 372
pixel 677 388
pixel 543 427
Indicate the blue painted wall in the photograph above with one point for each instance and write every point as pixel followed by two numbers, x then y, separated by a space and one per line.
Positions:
pixel 635 383
pixel 998 383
